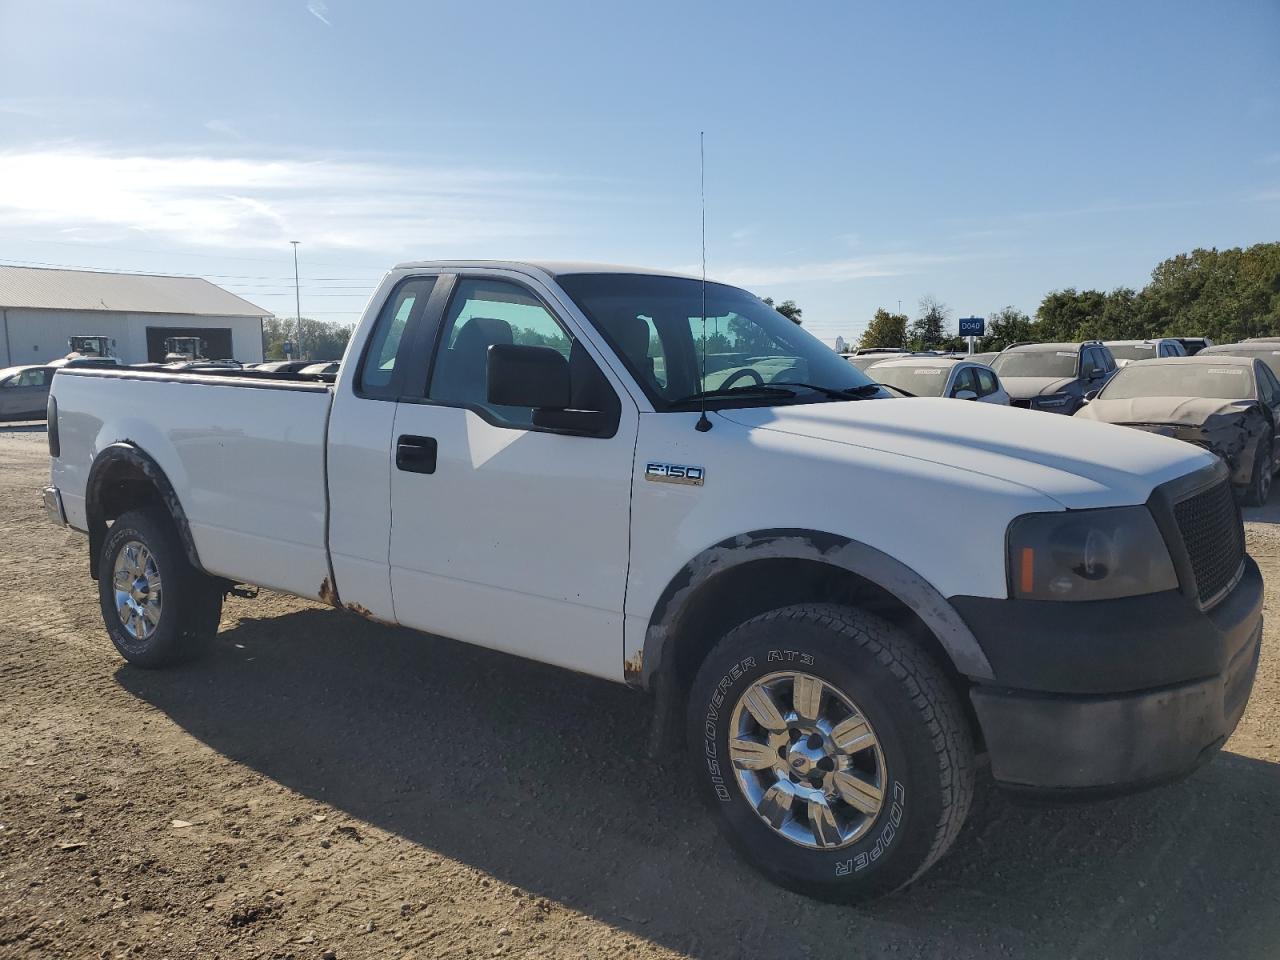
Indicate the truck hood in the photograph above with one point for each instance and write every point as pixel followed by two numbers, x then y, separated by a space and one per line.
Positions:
pixel 1078 463
pixel 1179 411
pixel 1024 388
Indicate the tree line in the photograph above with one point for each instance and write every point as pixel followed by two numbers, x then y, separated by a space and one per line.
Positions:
pixel 1226 295
pixel 321 339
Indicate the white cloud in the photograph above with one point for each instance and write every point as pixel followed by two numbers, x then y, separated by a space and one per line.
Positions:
pixel 320 10
pixel 259 202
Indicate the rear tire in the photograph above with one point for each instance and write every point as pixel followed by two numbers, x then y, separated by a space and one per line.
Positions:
pixel 158 609
pixel 874 733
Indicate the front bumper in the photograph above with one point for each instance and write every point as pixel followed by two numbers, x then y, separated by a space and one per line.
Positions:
pixel 1116 695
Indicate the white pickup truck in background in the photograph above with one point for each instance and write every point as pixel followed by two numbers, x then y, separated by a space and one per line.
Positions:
pixel 838 599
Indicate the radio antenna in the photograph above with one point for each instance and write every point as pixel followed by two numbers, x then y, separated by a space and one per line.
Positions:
pixel 703 424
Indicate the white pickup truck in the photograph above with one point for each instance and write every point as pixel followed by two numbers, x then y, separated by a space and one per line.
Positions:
pixel 838 598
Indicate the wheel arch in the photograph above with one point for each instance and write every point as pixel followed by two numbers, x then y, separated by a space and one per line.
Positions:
pixel 124 477
pixel 749 574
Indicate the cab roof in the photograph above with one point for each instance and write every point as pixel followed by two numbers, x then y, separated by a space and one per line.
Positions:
pixel 552 268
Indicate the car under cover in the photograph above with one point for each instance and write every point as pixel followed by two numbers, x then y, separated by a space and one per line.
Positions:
pixel 1229 428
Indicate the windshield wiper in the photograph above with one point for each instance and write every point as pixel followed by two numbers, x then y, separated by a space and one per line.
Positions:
pixel 905 393
pixel 745 389
pixel 839 393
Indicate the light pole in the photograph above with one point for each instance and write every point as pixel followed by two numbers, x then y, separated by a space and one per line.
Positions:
pixel 297 296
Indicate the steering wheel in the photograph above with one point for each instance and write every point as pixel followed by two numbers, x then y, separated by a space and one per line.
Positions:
pixel 737 375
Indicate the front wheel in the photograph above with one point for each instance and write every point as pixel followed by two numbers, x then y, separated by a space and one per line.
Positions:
pixel 158 608
pixel 832 750
pixel 1260 483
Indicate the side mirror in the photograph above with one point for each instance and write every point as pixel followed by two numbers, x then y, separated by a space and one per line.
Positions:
pixel 1091 395
pixel 1096 372
pixel 526 376
pixel 966 395
pixel 538 377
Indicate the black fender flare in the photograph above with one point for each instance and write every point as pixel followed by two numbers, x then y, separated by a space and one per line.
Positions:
pixel 130 454
pixel 861 559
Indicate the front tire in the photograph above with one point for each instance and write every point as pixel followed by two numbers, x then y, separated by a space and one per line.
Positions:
pixel 1260 483
pixel 158 609
pixel 832 750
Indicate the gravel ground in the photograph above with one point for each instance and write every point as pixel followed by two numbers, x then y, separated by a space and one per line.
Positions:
pixel 323 786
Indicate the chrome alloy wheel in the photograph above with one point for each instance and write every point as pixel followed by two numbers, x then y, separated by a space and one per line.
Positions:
pixel 807 760
pixel 136 581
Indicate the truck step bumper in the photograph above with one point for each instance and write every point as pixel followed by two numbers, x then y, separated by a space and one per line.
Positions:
pixel 1098 745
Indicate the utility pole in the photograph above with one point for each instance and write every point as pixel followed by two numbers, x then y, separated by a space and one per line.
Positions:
pixel 297 296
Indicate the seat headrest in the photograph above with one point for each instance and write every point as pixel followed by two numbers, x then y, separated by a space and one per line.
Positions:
pixel 632 335
pixel 482 333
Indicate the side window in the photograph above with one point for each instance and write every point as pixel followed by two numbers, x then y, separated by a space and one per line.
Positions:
pixel 47 376
pixel 1269 386
pixel 483 313
pixel 1108 359
pixel 986 382
pixel 29 378
pixel 1091 358
pixel 377 371
pixel 964 381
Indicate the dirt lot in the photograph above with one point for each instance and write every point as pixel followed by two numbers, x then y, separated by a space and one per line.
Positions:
pixel 322 783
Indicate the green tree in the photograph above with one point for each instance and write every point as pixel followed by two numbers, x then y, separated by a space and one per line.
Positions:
pixel 321 339
pixel 1006 326
pixel 928 331
pixel 1064 314
pixel 1224 294
pixel 787 308
pixel 885 330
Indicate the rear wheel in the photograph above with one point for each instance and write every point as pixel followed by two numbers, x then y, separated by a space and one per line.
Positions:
pixel 833 751
pixel 157 607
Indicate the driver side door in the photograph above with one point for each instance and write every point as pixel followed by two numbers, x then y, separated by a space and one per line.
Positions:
pixel 506 534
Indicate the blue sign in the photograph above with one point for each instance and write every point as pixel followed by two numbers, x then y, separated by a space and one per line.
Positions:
pixel 973 326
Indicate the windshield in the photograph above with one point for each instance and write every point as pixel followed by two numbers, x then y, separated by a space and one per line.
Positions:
pixel 917 381
pixel 1036 363
pixel 1226 382
pixel 655 325
pixel 1133 351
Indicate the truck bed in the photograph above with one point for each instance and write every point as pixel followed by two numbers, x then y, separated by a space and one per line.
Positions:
pixel 246 449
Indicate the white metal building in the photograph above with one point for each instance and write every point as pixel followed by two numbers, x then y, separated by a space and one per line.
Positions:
pixel 41 308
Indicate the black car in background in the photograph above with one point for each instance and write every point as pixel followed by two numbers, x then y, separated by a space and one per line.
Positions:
pixel 1228 405
pixel 1054 377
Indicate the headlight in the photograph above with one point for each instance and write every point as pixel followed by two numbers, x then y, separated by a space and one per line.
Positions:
pixel 1088 555
pixel 1052 400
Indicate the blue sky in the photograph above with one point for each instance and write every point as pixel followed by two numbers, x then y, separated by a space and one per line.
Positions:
pixel 858 153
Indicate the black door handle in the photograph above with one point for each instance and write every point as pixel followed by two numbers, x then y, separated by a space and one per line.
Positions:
pixel 416 454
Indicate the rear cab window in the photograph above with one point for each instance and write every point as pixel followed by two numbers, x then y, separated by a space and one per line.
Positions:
pixel 377 377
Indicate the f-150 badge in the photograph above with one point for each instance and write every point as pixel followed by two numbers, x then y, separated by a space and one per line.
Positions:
pixel 675 473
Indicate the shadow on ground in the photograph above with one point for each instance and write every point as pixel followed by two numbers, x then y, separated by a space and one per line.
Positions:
pixel 537 777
